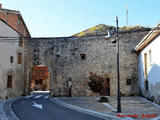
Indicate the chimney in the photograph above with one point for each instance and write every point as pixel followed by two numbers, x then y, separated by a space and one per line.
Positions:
pixel 0 6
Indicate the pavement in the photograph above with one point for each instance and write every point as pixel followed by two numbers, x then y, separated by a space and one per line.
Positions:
pixel 3 115
pixel 39 106
pixel 138 107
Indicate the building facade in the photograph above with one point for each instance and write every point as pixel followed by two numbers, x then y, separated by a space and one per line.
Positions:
pixel 149 65
pixel 15 20
pixel 11 62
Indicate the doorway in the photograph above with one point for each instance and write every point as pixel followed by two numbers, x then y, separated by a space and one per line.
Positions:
pixel 105 87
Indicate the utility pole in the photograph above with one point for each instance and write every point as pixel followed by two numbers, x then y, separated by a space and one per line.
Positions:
pixel 118 75
pixel 126 14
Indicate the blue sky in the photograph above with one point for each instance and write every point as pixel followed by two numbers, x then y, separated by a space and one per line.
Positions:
pixel 57 18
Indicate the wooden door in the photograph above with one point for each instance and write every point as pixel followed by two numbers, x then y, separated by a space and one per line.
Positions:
pixel 106 88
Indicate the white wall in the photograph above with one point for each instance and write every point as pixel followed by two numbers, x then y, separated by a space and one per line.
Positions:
pixel 9 48
pixel 153 69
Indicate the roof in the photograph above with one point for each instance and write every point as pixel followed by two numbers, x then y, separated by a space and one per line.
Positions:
pixel 11 27
pixel 18 13
pixel 154 33
pixel 11 11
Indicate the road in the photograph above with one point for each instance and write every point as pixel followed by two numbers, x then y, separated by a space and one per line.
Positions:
pixel 38 107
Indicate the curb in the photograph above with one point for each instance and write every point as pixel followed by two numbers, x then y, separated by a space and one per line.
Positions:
pixel 10 113
pixel 156 105
pixel 3 115
pixel 87 111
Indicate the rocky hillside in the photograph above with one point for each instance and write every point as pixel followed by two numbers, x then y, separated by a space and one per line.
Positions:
pixel 102 29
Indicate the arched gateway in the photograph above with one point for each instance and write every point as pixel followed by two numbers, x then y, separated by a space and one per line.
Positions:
pixel 40 78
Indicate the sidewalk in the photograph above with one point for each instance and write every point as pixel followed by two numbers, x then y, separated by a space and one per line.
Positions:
pixel 6 112
pixel 3 116
pixel 130 106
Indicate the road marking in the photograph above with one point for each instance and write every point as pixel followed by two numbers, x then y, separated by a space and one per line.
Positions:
pixel 37 105
pixel 29 96
pixel 41 92
pixel 38 96
pixel 46 97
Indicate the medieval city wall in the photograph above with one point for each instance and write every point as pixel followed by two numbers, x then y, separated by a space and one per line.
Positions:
pixel 63 58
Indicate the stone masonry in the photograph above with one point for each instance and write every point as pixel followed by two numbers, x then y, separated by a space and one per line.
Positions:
pixel 63 57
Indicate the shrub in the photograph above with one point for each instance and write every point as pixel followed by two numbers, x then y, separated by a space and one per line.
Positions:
pixel 103 99
pixel 95 83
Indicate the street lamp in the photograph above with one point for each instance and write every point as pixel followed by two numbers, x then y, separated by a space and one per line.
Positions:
pixel 118 75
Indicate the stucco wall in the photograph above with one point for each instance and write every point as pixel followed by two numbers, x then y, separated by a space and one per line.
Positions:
pixel 153 70
pixel 62 56
pixel 9 47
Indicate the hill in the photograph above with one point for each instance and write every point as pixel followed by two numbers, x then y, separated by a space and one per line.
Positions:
pixel 102 29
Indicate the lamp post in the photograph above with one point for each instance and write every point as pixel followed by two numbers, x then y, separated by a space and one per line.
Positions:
pixel 118 75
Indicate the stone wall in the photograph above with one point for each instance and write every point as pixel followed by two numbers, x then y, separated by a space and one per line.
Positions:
pixel 63 57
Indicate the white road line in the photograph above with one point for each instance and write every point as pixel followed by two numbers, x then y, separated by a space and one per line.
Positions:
pixel 46 97
pixel 29 96
pixel 40 91
pixel 38 96
pixel 37 105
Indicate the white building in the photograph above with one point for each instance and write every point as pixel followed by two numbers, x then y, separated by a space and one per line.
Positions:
pixel 149 64
pixel 11 62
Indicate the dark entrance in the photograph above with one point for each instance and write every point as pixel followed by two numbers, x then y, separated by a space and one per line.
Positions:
pixel 106 87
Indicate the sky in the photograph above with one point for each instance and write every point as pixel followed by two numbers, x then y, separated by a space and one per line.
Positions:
pixel 60 18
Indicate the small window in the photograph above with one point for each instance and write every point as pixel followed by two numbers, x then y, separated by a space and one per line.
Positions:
pixel 11 59
pixel 18 21
pixel 9 81
pixel 21 43
pixel 146 85
pixel 83 56
pixel 19 58
pixel 145 64
pixel 129 81
pixel 150 57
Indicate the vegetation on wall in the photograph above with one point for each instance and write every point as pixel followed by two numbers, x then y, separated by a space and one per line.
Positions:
pixel 96 82
pixel 103 29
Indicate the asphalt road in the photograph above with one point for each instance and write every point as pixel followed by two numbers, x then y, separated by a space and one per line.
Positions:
pixel 38 107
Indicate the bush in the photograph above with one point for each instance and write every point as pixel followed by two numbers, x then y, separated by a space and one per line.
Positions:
pixel 103 99
pixel 96 83
pixel 152 99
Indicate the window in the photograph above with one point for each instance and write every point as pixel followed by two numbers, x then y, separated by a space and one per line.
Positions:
pixel 129 81
pixel 21 42
pixel 9 81
pixel 19 58
pixel 18 21
pixel 83 56
pixel 11 59
pixel 146 85
pixel 150 57
pixel 145 64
